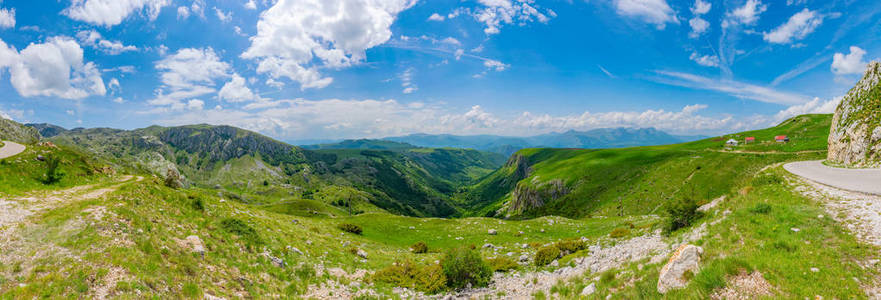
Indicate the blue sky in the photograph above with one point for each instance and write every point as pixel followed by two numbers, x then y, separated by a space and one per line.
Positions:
pixel 330 69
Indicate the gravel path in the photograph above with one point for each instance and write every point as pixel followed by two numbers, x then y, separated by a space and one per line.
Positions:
pixel 855 180
pixel 10 149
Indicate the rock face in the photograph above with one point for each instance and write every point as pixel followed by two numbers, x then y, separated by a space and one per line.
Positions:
pixel 675 274
pixel 855 137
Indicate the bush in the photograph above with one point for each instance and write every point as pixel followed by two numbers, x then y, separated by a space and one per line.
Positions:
pixel 173 179
pixel 241 229
pixel 198 204
pixel 463 267
pixel 681 213
pixel 761 208
pixel 502 264
pixel 546 255
pixel 351 228
pixel 53 174
pixel 429 279
pixel 419 248
pixel 619 232
pixel 571 246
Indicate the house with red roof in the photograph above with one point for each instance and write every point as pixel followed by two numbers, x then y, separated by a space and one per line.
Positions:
pixel 749 139
pixel 781 138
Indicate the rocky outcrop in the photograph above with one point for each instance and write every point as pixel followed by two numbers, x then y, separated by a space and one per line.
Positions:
pixel 682 266
pixel 13 131
pixel 535 194
pixel 855 136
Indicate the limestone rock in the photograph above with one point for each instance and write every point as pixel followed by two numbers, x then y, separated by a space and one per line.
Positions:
pixel 673 276
pixel 855 136
pixel 492 232
pixel 361 253
pixel 194 244
pixel 589 289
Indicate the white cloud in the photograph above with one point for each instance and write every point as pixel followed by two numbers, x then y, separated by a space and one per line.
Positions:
pixel 747 14
pixel 112 12
pixel 251 5
pixel 698 27
pixel 183 12
pixel 93 39
pixel 701 7
pixel 334 118
pixel 730 87
pixel 815 106
pixel 495 64
pixel 295 38
pixel 407 81
pixel 435 17
pixel 705 60
pixel 656 12
pixel 196 8
pixel 54 69
pixel 496 13
pixel 113 85
pixel 7 18
pixel 797 27
pixel 223 17
pixel 451 41
pixel 187 74
pixel 118 100
pixel 852 63
pixel 195 104
pixel 458 54
pixel 236 90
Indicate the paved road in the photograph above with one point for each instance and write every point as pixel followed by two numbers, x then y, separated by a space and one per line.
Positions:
pixel 10 149
pixel 856 180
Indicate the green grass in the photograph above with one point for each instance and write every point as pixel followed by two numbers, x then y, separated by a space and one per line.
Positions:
pixel 24 172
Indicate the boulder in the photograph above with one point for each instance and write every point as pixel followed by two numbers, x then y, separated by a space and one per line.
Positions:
pixel 589 289
pixel 361 253
pixel 683 265
pixel 194 244
pixel 492 232
pixel 855 135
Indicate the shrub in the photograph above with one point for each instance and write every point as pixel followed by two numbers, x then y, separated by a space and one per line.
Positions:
pixel 619 232
pixel 351 228
pixel 429 279
pixel 419 247
pixel 681 213
pixel 463 267
pixel 198 204
pixel 53 174
pixel 546 255
pixel 241 229
pixel 173 179
pixel 761 208
pixel 502 264
pixel 571 246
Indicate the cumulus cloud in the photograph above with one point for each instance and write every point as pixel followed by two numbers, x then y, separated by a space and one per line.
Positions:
pixel 187 74
pixel 747 14
pixel 112 12
pixel 496 13
pixel 406 78
pixel 815 106
pixel 224 17
pixel 797 27
pixel 54 68
pixel 334 118
pixel 251 5
pixel 196 8
pixel 295 38
pixel 698 25
pixel 656 12
pixel 852 63
pixel 236 90
pixel 94 39
pixel 705 60
pixel 730 87
pixel 7 18
pixel 435 17
pixel 495 64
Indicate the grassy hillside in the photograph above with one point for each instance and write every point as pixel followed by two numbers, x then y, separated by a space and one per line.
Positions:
pixel 254 169
pixel 578 183
pixel 13 131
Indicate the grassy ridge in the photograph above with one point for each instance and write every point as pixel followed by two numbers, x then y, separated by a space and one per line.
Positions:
pixel 638 180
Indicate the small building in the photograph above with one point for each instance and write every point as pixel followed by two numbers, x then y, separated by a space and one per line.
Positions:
pixel 781 138
pixel 750 139
pixel 732 142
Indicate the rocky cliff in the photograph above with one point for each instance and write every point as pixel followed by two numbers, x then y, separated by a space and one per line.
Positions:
pixel 855 137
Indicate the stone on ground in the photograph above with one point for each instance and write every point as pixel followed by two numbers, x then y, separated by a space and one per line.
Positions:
pixel 685 260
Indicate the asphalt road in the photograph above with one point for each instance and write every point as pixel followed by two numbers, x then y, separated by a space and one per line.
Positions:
pixel 10 149
pixel 856 180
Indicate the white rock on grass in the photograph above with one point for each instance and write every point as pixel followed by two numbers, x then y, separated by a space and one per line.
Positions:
pixel 492 232
pixel 589 289
pixel 686 259
pixel 362 253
